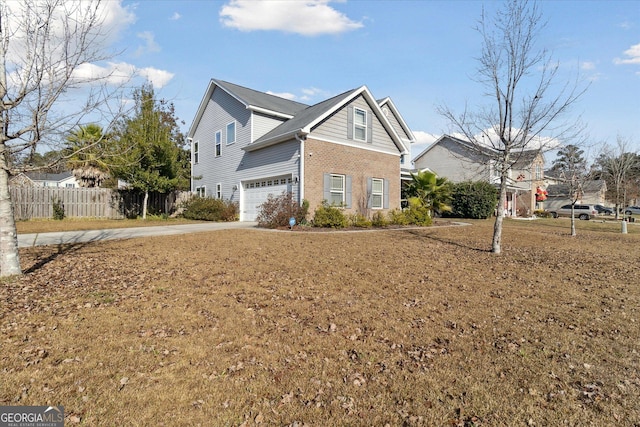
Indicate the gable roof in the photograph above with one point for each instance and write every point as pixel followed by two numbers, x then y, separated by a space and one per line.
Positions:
pixel 387 102
pixel 525 157
pixel 252 100
pixel 299 118
pixel 305 120
pixel 45 176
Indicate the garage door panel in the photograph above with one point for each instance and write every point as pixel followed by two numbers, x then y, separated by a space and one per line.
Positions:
pixel 257 192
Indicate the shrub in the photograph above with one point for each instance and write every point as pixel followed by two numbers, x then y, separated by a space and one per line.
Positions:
pixel 276 211
pixel 378 219
pixel 541 213
pixel 210 209
pixel 358 220
pixel 329 216
pixel 417 213
pixel 476 200
pixel 397 217
pixel 58 209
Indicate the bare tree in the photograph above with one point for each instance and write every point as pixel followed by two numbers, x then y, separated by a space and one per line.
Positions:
pixel 617 165
pixel 527 109
pixel 572 169
pixel 47 52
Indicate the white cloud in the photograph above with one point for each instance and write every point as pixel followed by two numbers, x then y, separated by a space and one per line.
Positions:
pixel 150 44
pixel 175 16
pixel 159 78
pixel 306 17
pixel 633 56
pixel 587 65
pixel 113 73
pixel 285 95
pixel 423 140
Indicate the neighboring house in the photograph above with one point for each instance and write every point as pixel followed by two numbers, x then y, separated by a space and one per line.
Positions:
pixel 347 150
pixel 459 160
pixel 43 179
pixel 591 192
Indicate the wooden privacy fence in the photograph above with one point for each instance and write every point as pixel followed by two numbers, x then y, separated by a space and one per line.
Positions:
pixel 37 202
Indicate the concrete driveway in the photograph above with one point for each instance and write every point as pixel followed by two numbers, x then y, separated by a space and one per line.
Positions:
pixel 65 237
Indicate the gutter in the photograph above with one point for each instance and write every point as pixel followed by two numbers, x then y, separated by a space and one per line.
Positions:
pixel 301 171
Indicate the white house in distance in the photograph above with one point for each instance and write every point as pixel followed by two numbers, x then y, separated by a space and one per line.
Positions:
pixel 44 179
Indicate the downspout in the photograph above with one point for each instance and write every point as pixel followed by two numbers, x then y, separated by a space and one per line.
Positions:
pixel 301 171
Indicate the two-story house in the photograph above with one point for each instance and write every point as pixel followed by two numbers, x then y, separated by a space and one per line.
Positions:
pixel 346 150
pixel 459 160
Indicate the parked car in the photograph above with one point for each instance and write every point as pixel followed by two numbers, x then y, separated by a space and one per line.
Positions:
pixel 629 210
pixel 603 210
pixel 584 212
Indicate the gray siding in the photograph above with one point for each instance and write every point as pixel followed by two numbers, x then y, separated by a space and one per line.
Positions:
pixel 448 160
pixel 335 127
pixel 263 124
pixel 220 111
pixel 393 119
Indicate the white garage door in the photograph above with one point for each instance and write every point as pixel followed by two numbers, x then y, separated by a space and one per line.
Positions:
pixel 256 192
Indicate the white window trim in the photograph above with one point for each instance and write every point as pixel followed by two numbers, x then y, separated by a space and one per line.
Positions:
pixel 196 152
pixel 357 125
pixel 375 193
pixel 235 131
pixel 217 144
pixel 342 191
pixel 219 190
pixel 201 191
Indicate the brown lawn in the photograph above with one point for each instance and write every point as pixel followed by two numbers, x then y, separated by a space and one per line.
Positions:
pixel 404 327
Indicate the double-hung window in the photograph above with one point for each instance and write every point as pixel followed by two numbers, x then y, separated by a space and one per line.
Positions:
pixel 218 141
pixel 231 133
pixel 359 124
pixel 336 190
pixel 219 190
pixel 195 152
pixel 377 193
pixel 201 191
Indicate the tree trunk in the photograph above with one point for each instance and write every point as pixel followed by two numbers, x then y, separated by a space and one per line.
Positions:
pixel 9 257
pixel 144 204
pixel 496 247
pixel 573 220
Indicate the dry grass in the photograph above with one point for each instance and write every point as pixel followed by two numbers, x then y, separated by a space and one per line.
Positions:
pixel 420 327
pixel 72 224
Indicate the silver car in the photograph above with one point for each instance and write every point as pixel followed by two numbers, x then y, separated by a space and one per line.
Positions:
pixel 584 212
pixel 630 210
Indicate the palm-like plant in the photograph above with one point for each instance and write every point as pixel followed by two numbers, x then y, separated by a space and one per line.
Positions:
pixel 85 152
pixel 432 191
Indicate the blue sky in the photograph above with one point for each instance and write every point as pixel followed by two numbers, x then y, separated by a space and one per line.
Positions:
pixel 420 53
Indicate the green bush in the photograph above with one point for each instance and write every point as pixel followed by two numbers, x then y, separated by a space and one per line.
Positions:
pixel 379 220
pixel 210 209
pixel 541 213
pixel 397 217
pixel 358 220
pixel 58 209
pixel 276 211
pixel 417 213
pixel 475 200
pixel 329 216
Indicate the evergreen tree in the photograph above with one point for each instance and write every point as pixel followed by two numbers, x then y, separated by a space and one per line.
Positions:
pixel 151 147
pixel 86 149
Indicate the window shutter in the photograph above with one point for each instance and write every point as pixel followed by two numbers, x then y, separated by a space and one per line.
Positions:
pixel 350 122
pixel 326 194
pixel 369 193
pixel 369 127
pixel 347 191
pixel 385 195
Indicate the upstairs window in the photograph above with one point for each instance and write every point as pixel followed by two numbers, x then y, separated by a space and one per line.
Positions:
pixel 231 133
pixel 359 124
pixel 538 172
pixel 195 152
pixel 218 141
